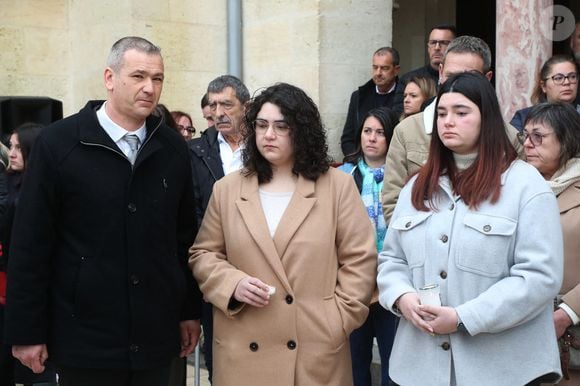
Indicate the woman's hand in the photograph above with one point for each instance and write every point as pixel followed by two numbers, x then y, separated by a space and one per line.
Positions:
pixel 443 320
pixel 561 321
pixel 409 305
pixel 252 291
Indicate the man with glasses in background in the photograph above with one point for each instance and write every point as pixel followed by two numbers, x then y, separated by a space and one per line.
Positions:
pixel 439 38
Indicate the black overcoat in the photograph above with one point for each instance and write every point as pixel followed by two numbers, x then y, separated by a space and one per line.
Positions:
pixel 98 267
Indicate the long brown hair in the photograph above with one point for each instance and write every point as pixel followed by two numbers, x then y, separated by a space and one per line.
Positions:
pixel 482 180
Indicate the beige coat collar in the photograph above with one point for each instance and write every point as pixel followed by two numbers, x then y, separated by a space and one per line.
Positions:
pixel 251 211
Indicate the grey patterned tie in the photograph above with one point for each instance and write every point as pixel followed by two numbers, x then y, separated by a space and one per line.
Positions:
pixel 133 142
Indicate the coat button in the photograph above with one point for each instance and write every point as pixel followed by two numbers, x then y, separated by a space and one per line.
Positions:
pixel 444 238
pixel 445 346
pixel 452 206
pixel 289 299
pixel 486 228
pixel 407 225
pixel 134 279
pixel 132 208
pixel 254 346
pixel 443 275
pixel 291 344
pixel 134 348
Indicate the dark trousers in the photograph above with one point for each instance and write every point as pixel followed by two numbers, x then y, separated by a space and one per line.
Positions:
pixel 381 324
pixel 158 376
pixel 207 323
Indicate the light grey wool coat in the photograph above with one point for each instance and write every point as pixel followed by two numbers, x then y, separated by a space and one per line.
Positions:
pixel 499 266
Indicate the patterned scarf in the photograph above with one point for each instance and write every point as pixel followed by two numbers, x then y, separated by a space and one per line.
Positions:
pixel 371 197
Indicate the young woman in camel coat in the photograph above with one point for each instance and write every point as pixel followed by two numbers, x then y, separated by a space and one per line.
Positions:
pixel 288 222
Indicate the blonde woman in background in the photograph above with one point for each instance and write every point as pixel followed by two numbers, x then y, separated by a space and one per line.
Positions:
pixel 418 90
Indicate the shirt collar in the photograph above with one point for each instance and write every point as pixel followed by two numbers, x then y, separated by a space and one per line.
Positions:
pixel 115 131
pixel 388 92
pixel 429 116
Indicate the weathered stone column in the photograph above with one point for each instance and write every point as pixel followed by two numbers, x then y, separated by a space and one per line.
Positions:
pixel 521 49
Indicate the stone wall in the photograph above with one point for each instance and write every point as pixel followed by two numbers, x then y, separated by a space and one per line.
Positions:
pixel 58 48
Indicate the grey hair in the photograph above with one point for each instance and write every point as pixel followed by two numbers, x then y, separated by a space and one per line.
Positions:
pixel 115 59
pixel 470 45
pixel 221 82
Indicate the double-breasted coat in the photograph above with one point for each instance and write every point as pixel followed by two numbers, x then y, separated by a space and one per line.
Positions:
pixel 322 261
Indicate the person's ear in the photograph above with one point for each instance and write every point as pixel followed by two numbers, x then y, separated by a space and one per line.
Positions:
pixel 489 75
pixel 108 76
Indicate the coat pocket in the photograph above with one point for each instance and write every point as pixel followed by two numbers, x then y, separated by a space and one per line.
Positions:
pixel 334 322
pixel 485 244
pixel 412 230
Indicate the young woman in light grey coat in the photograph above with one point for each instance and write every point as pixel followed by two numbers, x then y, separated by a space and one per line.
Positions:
pixel 484 228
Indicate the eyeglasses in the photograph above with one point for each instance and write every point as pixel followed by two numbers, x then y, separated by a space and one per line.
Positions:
pixel 280 128
pixel 189 129
pixel 560 78
pixel 534 136
pixel 442 43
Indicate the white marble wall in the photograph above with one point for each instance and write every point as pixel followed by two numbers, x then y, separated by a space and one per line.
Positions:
pixel 521 49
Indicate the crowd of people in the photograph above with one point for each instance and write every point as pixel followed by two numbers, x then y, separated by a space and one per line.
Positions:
pixel 123 235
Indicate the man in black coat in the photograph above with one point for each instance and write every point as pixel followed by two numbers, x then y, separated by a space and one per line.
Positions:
pixel 382 90
pixel 216 153
pixel 98 276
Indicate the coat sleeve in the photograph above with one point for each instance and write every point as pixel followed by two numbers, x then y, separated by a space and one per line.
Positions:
pixel 394 276
pixel 534 278
pixel 396 172
pixel 29 268
pixel 217 278
pixel 347 140
pixel 186 231
pixel 357 258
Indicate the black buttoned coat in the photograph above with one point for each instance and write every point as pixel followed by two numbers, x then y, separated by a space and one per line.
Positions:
pixel 99 248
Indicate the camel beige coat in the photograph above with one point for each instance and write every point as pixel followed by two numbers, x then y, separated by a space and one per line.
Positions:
pixel 322 261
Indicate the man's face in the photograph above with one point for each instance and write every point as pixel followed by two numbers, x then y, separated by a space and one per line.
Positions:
pixel 438 41
pixel 227 111
pixel 456 63
pixel 384 72
pixel 133 91
pixel 206 111
pixel 575 42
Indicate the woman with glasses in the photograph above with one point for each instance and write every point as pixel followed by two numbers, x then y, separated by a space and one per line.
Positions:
pixel 476 232
pixel 551 140
pixel 557 82
pixel 184 124
pixel 367 167
pixel 285 253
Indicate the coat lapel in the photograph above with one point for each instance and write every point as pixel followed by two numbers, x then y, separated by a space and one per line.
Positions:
pixel 253 217
pixel 569 198
pixel 300 205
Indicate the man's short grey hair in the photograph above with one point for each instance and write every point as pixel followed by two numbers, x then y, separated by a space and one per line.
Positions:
pixel 115 59
pixel 470 45
pixel 221 82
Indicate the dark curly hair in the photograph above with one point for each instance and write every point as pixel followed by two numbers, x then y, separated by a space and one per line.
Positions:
pixel 308 135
